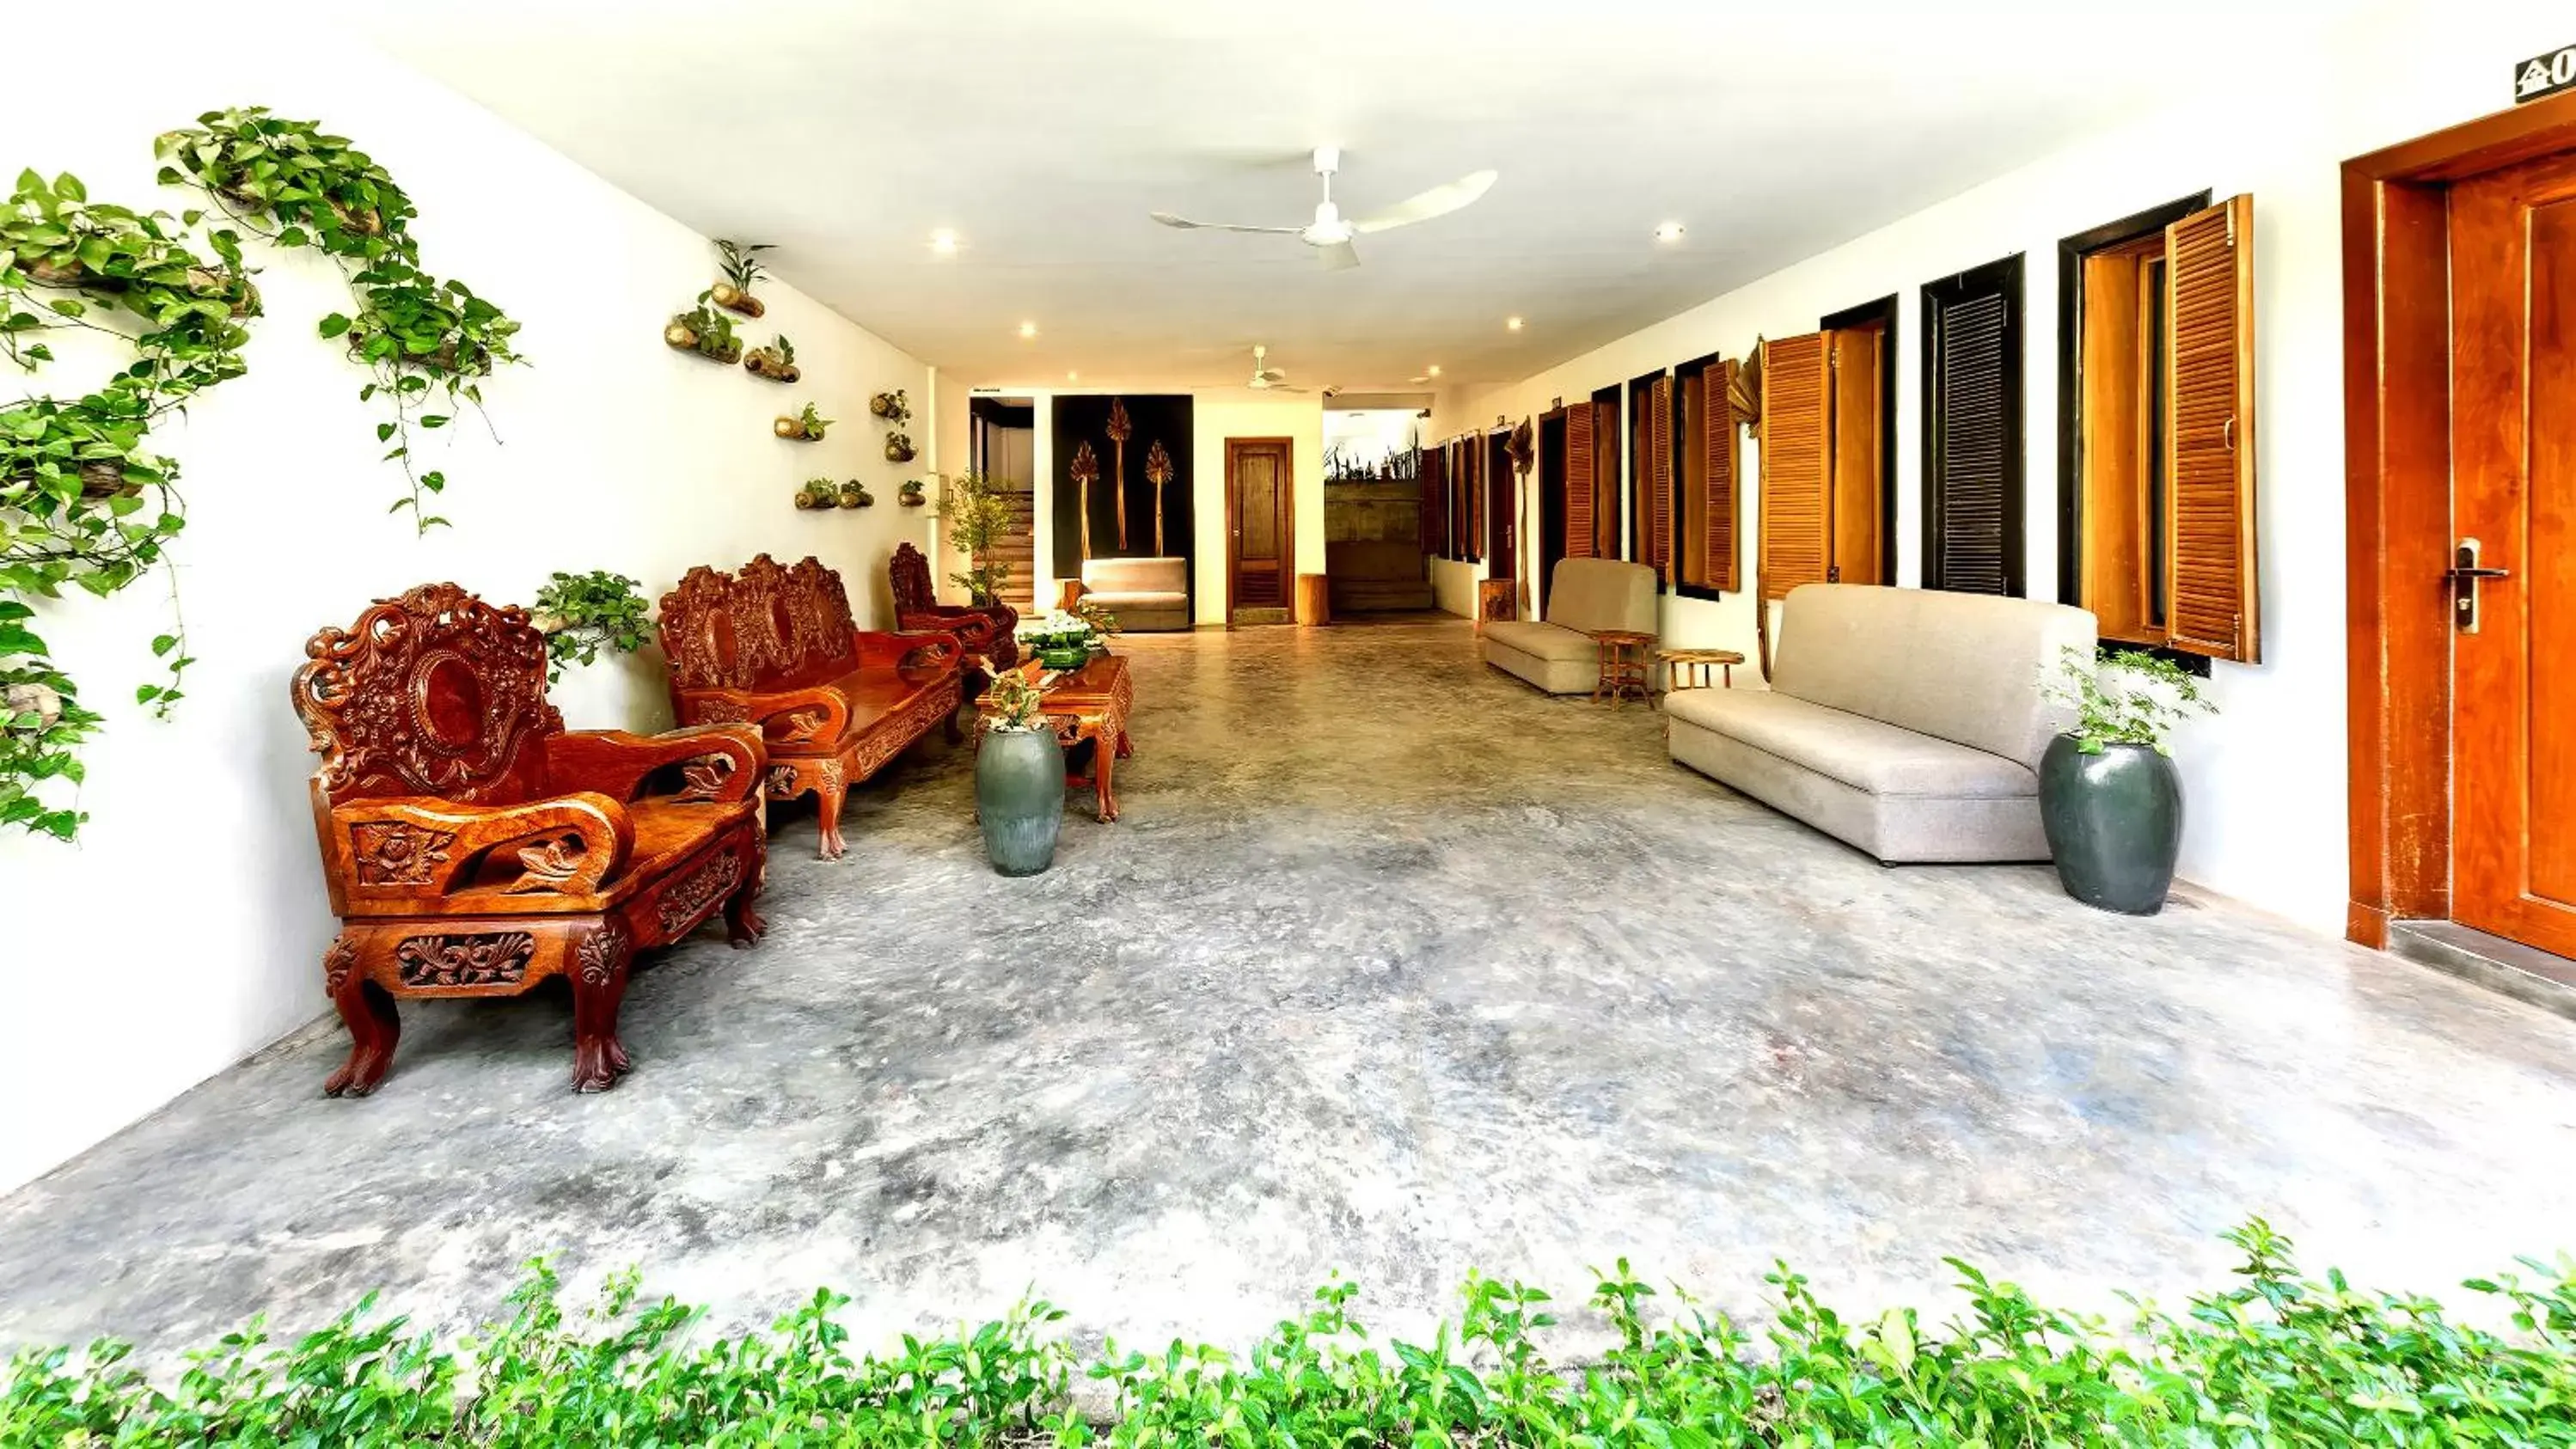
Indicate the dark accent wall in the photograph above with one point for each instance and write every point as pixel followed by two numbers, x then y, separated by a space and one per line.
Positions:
pixel 1084 418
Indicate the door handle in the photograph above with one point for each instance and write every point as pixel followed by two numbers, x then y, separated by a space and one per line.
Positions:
pixel 2465 574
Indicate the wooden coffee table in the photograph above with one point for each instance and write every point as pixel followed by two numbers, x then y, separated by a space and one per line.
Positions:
pixel 1089 704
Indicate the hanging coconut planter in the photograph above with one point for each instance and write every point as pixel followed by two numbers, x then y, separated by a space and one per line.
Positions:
pixel 707 333
pixel 817 493
pixel 891 406
pixel 742 272
pixel 854 494
pixel 777 361
pixel 804 427
pixel 898 448
pixel 910 495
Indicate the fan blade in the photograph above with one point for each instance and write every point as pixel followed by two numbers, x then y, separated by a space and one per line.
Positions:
pixel 1438 201
pixel 1185 224
pixel 1341 256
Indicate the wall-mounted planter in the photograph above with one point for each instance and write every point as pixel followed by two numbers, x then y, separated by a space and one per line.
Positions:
pixel 795 430
pixel 855 495
pixel 679 336
pixel 891 406
pixel 770 363
pixel 911 495
pixel 898 448
pixel 810 497
pixel 735 299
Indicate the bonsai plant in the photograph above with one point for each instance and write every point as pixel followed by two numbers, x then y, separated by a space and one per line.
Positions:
pixel 704 331
pixel 855 494
pixel 585 615
pixel 2109 796
pixel 777 361
pixel 974 517
pixel 742 272
pixel 1019 775
pixel 805 427
pixel 909 493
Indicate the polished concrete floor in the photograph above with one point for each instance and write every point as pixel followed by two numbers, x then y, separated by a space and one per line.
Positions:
pixel 1392 967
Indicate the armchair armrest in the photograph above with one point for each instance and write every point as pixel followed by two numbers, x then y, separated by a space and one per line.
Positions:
pixel 928 648
pixel 406 847
pixel 615 763
pixel 778 716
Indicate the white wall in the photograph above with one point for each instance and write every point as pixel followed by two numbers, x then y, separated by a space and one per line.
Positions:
pixel 186 927
pixel 2266 780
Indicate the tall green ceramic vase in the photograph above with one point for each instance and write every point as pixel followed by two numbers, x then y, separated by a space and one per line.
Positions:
pixel 2114 823
pixel 1019 798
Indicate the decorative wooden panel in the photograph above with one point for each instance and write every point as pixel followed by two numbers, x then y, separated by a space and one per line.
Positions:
pixel 1579 445
pixel 1797 477
pixel 1972 460
pixel 2209 437
pixel 1435 500
pixel 1659 477
pixel 1722 466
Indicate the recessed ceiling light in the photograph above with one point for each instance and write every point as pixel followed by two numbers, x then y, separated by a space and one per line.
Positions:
pixel 1028 329
pixel 1512 324
pixel 944 242
pixel 1433 370
pixel 1073 377
pixel 1670 231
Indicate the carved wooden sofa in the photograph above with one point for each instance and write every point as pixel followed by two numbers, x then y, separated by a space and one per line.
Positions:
pixel 475 847
pixel 775 647
pixel 981 629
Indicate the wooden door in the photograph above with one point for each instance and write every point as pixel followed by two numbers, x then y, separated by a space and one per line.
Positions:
pixel 1260 515
pixel 2513 441
pixel 1502 510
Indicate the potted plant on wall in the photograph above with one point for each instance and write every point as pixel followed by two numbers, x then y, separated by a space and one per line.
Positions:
pixel 1019 775
pixel 586 615
pixel 909 493
pixel 777 361
pixel 855 494
pixel 742 272
pixel 704 331
pixel 2109 796
pixel 805 427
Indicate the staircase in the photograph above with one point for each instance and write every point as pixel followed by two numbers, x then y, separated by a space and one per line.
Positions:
pixel 1017 547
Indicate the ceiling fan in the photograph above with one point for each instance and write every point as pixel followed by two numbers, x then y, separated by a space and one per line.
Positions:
pixel 1330 235
pixel 1266 378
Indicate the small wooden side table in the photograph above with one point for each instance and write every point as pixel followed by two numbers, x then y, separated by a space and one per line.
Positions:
pixel 1693 665
pixel 1623 667
pixel 1493 600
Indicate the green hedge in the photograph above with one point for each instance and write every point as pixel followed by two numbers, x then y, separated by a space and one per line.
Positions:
pixel 2272 1359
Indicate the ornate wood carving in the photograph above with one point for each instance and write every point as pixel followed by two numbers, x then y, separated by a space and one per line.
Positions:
pixel 603 953
pixel 782 782
pixel 687 901
pixel 442 762
pixel 498 959
pixel 391 853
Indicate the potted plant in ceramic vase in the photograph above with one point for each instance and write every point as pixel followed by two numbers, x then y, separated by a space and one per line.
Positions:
pixel 1019 775
pixel 2109 795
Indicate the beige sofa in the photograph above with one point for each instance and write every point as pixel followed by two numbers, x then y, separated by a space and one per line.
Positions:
pixel 1145 594
pixel 1907 722
pixel 1584 595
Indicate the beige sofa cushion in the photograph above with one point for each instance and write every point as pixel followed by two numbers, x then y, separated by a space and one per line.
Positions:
pixel 1137 578
pixel 1866 754
pixel 1962 667
pixel 1543 641
pixel 1594 594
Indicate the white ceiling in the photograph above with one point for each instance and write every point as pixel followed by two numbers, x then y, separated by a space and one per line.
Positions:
pixel 1043 131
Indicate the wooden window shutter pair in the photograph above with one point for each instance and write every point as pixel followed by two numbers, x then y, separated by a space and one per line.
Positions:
pixel 2210 571
pixel 1972 459
pixel 1797 472
pixel 1719 461
pixel 1578 481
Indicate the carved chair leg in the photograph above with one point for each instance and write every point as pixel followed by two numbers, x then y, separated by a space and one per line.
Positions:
pixel 830 792
pixel 598 989
pixel 743 925
pixel 374 1025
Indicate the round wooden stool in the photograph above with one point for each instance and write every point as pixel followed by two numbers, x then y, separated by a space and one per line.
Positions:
pixel 1693 665
pixel 1623 667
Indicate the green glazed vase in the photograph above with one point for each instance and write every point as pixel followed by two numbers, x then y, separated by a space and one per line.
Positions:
pixel 1019 798
pixel 2114 823
pixel 1072 658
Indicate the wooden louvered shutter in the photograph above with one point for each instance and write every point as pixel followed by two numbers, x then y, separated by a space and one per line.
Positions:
pixel 1659 476
pixel 1972 402
pixel 1578 481
pixel 1719 462
pixel 1435 496
pixel 1797 472
pixel 1474 540
pixel 2209 432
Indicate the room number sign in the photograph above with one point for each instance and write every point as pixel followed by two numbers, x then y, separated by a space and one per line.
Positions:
pixel 2545 75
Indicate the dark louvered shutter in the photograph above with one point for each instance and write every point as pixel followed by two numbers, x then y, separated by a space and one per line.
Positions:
pixel 1435 498
pixel 1972 462
pixel 1578 481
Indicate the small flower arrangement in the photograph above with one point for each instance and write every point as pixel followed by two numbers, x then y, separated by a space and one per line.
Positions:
pixel 2130 698
pixel 1060 640
pixel 1012 701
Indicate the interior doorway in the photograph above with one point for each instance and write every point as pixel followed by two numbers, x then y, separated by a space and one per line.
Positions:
pixel 1502 511
pixel 1002 445
pixel 1551 507
pixel 2460 421
pixel 1260 526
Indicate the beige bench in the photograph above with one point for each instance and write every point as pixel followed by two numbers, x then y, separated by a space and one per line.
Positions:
pixel 1907 722
pixel 1144 593
pixel 1584 595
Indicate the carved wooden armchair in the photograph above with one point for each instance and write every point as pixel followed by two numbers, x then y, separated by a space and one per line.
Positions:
pixel 474 847
pixel 984 629
pixel 775 647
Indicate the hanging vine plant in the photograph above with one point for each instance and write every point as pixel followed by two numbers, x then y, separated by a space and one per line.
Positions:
pixel 297 186
pixel 83 503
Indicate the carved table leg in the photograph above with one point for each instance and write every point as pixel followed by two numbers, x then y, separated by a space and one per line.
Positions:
pixel 1104 754
pixel 743 925
pixel 374 1025
pixel 1126 746
pixel 598 987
